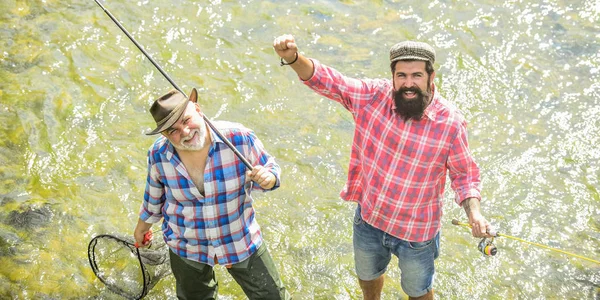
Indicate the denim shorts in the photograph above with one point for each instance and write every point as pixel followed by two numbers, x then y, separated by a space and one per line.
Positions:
pixel 373 250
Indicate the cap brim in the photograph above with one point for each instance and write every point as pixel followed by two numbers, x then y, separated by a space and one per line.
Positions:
pixel 408 57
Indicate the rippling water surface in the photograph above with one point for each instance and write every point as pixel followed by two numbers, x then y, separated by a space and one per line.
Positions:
pixel 74 95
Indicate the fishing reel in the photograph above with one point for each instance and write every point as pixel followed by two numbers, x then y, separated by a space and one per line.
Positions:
pixel 487 247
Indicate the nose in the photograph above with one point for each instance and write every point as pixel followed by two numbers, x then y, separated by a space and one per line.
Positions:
pixel 409 83
pixel 185 131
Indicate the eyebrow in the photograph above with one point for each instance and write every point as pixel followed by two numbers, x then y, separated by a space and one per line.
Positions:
pixel 417 72
pixel 181 119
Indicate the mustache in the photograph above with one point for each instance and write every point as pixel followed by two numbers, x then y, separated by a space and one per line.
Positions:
pixel 413 89
pixel 191 135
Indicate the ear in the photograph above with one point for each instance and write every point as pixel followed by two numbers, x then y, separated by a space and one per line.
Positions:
pixel 194 95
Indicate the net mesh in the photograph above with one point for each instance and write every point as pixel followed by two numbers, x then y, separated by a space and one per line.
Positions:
pixel 125 270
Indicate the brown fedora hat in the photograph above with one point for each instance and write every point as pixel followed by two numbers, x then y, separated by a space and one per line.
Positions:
pixel 167 109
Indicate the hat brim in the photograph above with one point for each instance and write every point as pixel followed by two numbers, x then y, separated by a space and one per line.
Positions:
pixel 177 113
pixel 410 57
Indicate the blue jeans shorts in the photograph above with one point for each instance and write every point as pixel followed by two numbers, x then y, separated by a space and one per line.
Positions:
pixel 373 250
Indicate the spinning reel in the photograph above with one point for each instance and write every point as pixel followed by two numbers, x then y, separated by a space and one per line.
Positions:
pixel 487 247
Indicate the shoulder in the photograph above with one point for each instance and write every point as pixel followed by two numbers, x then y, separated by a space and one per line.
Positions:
pixel 449 116
pixel 158 148
pixel 235 132
pixel 382 84
pixel 231 127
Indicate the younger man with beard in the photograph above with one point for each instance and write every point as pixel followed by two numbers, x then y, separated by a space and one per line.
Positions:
pixel 407 138
pixel 202 191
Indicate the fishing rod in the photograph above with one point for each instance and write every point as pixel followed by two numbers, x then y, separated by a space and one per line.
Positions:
pixel 488 248
pixel 237 153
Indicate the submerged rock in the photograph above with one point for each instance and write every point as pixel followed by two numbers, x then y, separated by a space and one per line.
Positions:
pixel 8 243
pixel 31 218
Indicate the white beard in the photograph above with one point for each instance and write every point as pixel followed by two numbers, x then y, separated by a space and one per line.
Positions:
pixel 192 147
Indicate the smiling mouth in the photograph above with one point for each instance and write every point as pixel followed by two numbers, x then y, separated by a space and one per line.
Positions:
pixel 191 137
pixel 410 94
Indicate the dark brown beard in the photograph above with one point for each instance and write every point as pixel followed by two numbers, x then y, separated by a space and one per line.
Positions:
pixel 413 108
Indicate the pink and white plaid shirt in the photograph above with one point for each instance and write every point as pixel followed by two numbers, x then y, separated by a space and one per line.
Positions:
pixel 397 171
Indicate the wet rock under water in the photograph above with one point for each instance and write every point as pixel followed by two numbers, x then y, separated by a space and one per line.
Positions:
pixel 30 218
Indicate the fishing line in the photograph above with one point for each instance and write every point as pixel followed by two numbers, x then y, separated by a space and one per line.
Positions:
pixel 496 234
pixel 227 142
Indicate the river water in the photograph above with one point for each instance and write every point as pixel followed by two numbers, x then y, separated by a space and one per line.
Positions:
pixel 74 96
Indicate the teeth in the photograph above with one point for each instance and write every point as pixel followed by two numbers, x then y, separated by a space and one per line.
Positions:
pixel 189 137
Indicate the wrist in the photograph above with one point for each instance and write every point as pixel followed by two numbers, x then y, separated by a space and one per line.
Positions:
pixel 289 61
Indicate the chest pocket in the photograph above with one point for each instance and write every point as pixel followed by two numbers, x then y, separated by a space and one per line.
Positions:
pixel 229 181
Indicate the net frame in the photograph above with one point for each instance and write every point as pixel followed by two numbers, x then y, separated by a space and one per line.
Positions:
pixel 112 287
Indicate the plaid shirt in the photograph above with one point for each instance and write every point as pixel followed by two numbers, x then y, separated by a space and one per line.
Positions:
pixel 221 223
pixel 398 169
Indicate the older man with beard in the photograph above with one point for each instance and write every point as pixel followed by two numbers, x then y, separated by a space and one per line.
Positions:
pixel 202 192
pixel 407 139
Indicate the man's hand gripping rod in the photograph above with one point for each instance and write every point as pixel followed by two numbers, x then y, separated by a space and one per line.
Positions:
pixel 496 234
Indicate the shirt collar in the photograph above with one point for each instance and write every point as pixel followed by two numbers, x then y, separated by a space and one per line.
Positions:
pixel 433 107
pixel 170 149
pixel 213 136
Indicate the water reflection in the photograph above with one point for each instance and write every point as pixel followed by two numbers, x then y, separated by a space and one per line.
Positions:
pixel 74 98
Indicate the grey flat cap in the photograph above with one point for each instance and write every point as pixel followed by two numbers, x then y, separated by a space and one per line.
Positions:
pixel 411 50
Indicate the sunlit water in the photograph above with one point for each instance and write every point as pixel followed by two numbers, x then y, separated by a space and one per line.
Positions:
pixel 74 94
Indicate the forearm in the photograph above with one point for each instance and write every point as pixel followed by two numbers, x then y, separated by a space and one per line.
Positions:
pixel 142 227
pixel 303 67
pixel 472 208
pixel 286 48
pixel 480 227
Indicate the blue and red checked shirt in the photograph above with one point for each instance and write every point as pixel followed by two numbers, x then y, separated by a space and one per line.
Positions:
pixel 397 170
pixel 221 223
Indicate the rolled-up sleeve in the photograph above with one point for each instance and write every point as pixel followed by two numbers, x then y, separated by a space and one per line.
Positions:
pixel 352 93
pixel 463 170
pixel 259 156
pixel 154 196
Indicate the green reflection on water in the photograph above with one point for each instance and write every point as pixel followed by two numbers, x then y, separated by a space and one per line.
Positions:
pixel 74 94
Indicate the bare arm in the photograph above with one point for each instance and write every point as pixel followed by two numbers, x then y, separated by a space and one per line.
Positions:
pixel 286 48
pixel 479 225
